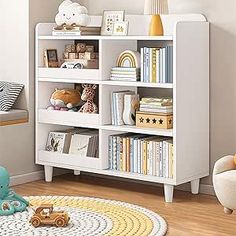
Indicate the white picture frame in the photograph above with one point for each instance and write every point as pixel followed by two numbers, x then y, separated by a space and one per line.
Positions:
pixel 121 28
pixel 108 20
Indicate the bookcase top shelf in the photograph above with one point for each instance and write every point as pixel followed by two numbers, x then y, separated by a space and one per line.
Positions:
pixel 170 23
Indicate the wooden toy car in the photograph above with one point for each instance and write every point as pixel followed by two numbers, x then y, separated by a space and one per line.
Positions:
pixel 44 215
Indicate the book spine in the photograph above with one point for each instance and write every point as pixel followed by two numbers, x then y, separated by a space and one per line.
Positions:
pixel 121 154
pixel 110 152
pixel 142 65
pixel 124 155
pixel 161 161
pixel 120 108
pixel 135 156
pixel 128 154
pixel 139 156
pixel 150 64
pixel 149 164
pixel 164 159
pixel 114 153
pixel 154 54
pixel 145 157
pixel 154 158
pixel 118 153
pixel 157 159
pixel 167 160
pixel 158 66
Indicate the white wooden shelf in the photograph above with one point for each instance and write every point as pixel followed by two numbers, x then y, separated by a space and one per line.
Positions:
pixel 60 73
pixel 68 159
pixel 99 37
pixel 134 129
pixel 137 84
pixel 189 36
pixel 66 118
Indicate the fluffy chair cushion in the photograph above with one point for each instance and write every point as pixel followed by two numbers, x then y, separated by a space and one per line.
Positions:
pixel 9 92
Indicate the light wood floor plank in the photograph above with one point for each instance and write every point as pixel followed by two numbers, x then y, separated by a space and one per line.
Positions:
pixel 189 215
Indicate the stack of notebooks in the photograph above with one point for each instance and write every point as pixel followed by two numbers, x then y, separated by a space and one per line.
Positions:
pixel 125 74
pixel 142 154
pixel 157 105
pixel 77 30
pixel 157 65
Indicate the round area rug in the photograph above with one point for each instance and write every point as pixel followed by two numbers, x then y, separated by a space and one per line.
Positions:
pixel 88 217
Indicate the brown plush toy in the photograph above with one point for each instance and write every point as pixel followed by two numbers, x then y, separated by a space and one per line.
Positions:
pixel 65 100
pixel 88 97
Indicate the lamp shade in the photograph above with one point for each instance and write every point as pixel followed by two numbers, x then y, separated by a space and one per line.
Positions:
pixel 156 7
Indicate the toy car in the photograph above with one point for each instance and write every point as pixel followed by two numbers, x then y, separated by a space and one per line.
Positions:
pixel 44 215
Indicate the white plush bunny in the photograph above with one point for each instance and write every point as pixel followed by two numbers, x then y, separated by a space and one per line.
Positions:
pixel 71 13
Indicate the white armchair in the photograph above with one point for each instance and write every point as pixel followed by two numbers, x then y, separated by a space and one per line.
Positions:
pixel 224 181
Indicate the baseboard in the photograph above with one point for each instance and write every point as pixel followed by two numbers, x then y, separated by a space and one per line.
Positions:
pixel 26 178
pixel 34 176
pixel 39 175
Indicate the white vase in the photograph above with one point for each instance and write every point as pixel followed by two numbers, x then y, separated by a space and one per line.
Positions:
pixel 131 104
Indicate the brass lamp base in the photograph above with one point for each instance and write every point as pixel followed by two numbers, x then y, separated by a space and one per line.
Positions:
pixel 156 27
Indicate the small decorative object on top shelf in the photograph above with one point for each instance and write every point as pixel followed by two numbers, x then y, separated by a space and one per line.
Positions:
pixel 10 202
pixel 131 105
pixel 44 215
pixel 58 142
pixel 121 28
pixel 51 58
pixel 108 20
pixel 88 97
pixel 155 113
pixel 65 100
pixel 155 8
pixel 71 18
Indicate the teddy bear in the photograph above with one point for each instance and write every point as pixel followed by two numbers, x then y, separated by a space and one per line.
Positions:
pixel 71 14
pixel 65 100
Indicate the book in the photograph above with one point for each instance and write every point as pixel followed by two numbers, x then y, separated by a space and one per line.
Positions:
pixel 80 30
pixel 58 142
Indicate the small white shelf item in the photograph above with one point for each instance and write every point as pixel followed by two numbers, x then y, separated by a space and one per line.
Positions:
pixel 189 35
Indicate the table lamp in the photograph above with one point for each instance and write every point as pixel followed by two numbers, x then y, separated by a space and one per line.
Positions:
pixel 155 8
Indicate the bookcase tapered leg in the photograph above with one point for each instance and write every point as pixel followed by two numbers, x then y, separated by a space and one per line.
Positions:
pixel 169 192
pixel 48 173
pixel 195 186
pixel 76 172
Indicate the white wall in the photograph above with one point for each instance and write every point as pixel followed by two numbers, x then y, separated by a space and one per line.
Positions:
pixel 221 14
pixel 18 19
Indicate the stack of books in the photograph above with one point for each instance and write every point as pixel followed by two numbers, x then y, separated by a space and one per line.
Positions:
pixel 157 105
pixel 79 142
pixel 125 74
pixel 157 65
pixel 117 106
pixel 142 154
pixel 76 30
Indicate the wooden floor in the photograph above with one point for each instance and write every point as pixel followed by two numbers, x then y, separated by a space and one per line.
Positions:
pixel 188 215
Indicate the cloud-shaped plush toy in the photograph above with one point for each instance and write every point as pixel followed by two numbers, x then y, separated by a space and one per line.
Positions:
pixel 71 13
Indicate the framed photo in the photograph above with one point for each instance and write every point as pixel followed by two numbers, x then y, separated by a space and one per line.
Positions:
pixel 121 28
pixel 108 20
pixel 51 58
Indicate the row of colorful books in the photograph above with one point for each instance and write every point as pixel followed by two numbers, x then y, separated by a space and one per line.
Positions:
pixel 156 105
pixel 125 74
pixel 148 155
pixel 157 65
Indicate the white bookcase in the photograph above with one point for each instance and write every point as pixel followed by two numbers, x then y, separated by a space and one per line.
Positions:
pixel 189 35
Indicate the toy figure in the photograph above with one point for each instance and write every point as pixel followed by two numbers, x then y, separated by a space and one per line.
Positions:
pixel 88 97
pixel 65 100
pixel 10 202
